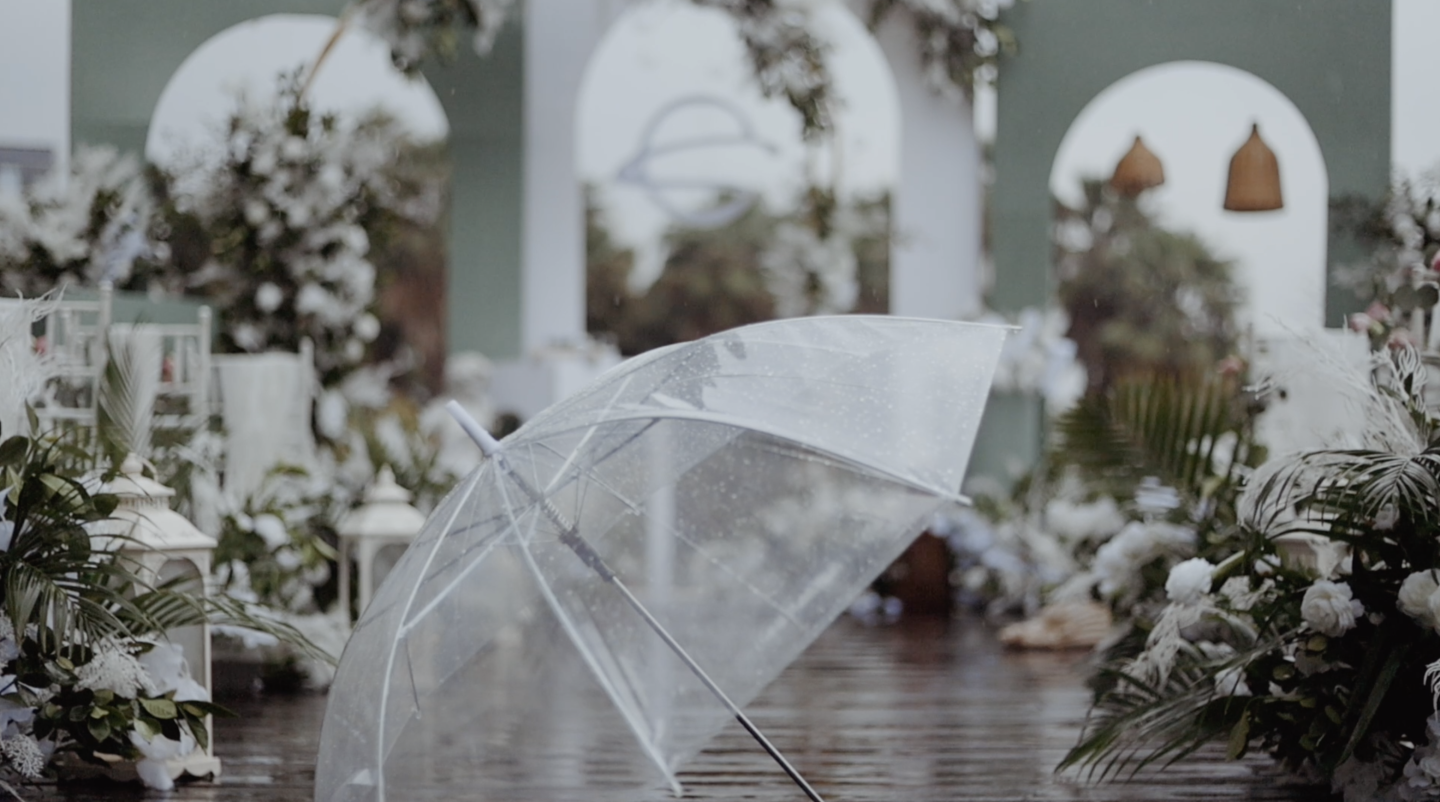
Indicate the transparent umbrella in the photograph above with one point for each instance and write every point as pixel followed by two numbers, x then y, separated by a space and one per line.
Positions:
pixel 595 601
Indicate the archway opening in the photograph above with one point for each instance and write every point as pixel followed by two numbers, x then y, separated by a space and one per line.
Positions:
pixel 701 192
pixel 356 80
pixel 1193 116
pixel 242 71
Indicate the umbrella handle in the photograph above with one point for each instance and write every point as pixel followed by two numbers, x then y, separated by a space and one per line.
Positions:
pixel 489 446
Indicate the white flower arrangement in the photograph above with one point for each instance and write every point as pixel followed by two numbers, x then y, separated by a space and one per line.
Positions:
pixel 1330 608
pixel 77 228
pixel 1039 358
pixel 1189 581
pixel 290 211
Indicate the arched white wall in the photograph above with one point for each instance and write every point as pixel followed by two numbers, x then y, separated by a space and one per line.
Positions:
pixel 935 258
pixel 356 78
pixel 1178 108
pixel 686 62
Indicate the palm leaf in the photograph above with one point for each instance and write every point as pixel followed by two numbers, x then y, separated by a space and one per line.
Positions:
pixel 126 398
pixel 1138 724
pixel 170 607
pixel 1151 427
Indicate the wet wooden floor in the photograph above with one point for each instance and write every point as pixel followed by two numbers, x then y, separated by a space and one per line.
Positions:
pixel 929 712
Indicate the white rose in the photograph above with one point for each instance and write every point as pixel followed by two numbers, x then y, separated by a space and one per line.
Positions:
pixel 1415 594
pixel 1189 581
pixel 272 530
pixel 268 297
pixel 1231 682
pixel 367 327
pixel 256 211
pixel 1330 608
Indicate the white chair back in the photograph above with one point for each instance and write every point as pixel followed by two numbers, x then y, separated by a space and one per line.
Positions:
pixel 266 402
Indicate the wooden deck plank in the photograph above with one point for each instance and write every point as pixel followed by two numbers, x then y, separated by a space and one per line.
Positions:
pixel 926 712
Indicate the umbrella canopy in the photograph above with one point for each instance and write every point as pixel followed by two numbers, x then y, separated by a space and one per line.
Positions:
pixel 745 487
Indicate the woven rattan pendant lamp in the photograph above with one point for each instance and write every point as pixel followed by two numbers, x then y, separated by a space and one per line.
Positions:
pixel 1137 171
pixel 1254 177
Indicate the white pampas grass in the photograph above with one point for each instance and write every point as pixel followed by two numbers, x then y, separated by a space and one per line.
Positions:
pixel 24 368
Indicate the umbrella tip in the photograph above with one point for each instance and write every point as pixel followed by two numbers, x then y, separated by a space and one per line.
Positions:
pixel 487 442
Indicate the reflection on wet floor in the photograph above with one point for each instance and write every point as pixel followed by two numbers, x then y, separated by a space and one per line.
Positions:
pixel 925 712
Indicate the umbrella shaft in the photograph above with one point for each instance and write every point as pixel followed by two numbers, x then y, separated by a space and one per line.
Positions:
pixel 709 683
pixel 570 536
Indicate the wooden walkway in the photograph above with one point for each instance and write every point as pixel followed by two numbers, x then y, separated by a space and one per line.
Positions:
pixel 925 712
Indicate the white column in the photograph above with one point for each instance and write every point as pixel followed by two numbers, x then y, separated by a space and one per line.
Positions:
pixel 936 212
pixel 560 36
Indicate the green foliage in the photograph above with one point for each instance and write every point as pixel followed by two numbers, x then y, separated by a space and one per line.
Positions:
pixel 711 282
pixel 1325 687
pixel 1399 277
pixel 1141 299
pixel 275 546
pixel 90 722
pixel 53 579
pixel 1191 434
pixel 713 279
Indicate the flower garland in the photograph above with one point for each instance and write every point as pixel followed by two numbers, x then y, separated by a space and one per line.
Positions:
pixel 960 41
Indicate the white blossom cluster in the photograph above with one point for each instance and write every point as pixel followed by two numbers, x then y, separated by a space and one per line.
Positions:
pixel 24 368
pixel 959 39
pixel 288 211
pixel 810 275
pixel 78 227
pixel 1421 777
pixel 1118 561
pixel 113 668
pixel 1039 358
pixel 413 29
pixel 1414 218
pixel 23 754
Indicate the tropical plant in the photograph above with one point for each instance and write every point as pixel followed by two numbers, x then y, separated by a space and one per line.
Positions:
pixel 78 621
pixel 1399 278
pixel 1172 454
pixel 1140 298
pixel 1312 635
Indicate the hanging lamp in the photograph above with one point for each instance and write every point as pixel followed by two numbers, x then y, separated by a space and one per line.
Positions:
pixel 1137 171
pixel 1254 184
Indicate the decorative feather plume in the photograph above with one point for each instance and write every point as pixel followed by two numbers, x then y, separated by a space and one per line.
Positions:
pixel 24 367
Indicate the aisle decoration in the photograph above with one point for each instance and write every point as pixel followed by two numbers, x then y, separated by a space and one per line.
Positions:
pixel 1313 635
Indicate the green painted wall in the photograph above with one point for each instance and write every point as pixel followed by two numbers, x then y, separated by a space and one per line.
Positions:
pixel 1330 57
pixel 484 100
pixel 123 52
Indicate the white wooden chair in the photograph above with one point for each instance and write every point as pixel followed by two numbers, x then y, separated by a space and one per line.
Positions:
pixel 182 398
pixel 73 336
pixel 265 405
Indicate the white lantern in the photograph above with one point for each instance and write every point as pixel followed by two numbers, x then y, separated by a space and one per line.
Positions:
pixel 385 519
pixel 161 545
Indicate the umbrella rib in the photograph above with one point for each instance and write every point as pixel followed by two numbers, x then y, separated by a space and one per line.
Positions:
pixel 646 742
pixel 839 456
pixel 394 644
pixel 570 536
